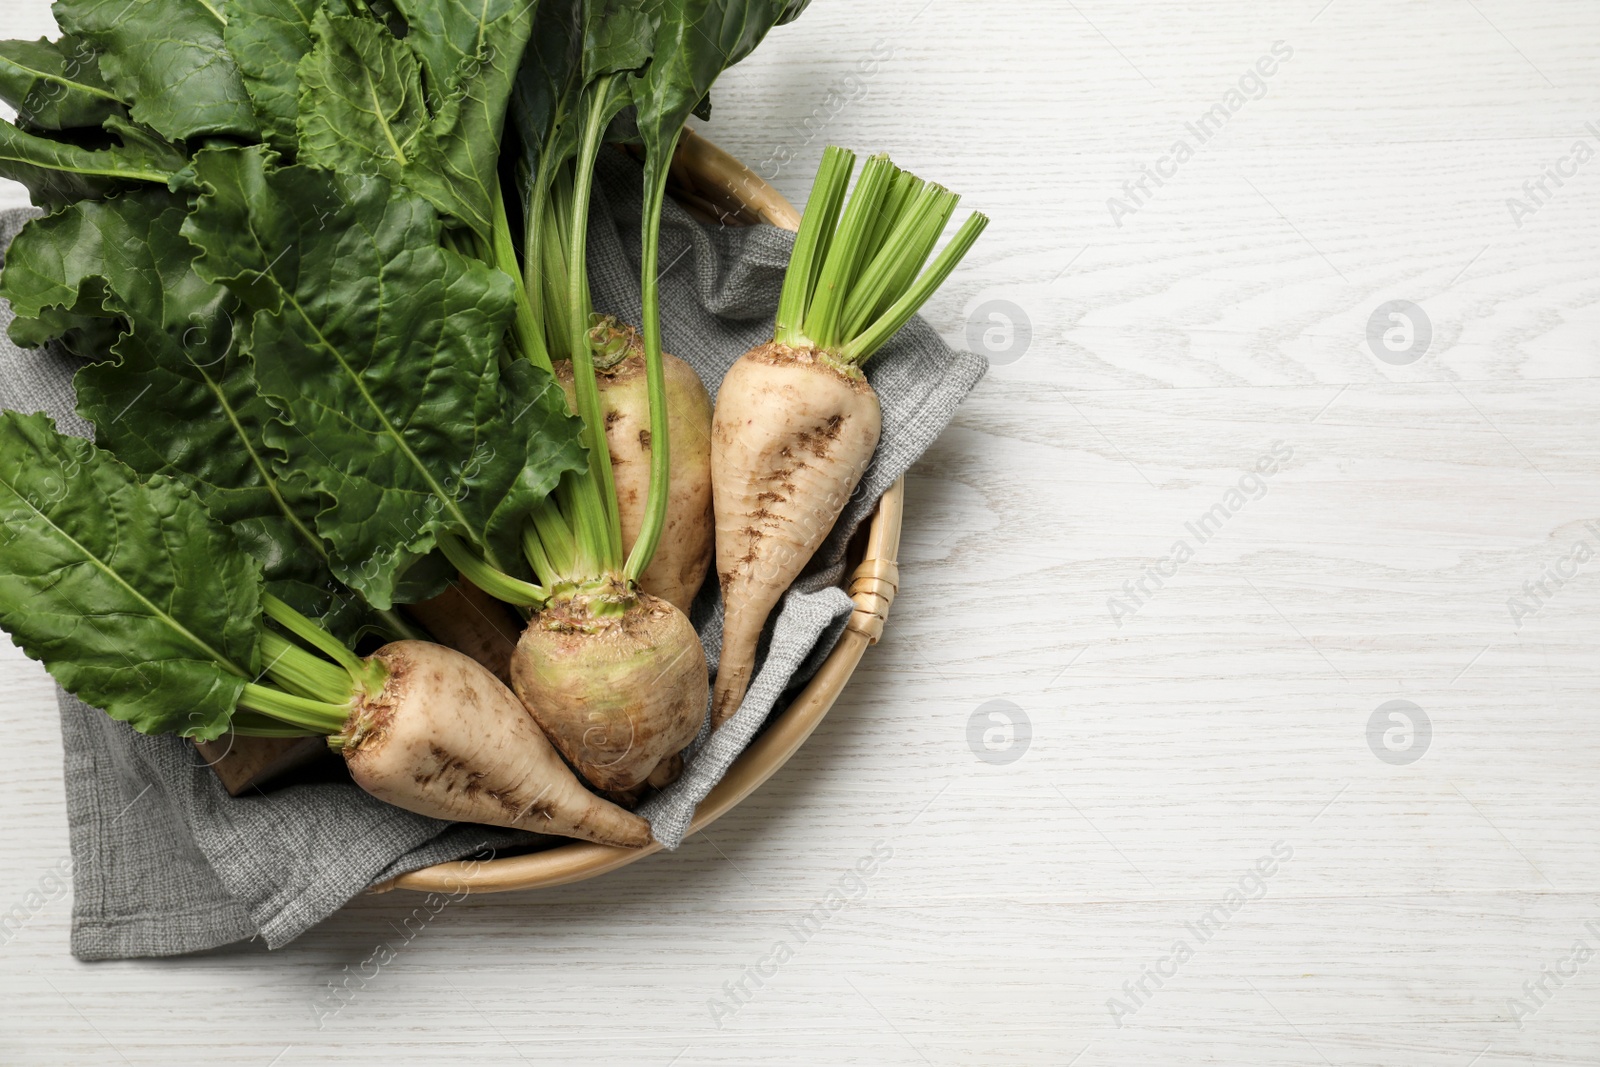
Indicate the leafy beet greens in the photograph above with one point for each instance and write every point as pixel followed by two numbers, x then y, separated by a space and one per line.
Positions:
pixel 319 327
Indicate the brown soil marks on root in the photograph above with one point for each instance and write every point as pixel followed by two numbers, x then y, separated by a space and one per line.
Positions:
pixel 753 536
pixel 778 355
pixel 785 476
pixel 538 806
pixel 452 772
pixel 820 442
pixel 629 368
pixel 618 373
pixel 370 723
pixel 571 615
pixel 763 517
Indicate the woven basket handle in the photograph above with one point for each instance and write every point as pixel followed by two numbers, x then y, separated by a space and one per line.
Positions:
pixel 874 583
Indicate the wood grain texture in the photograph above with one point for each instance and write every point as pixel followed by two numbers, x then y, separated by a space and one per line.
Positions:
pixel 1167 754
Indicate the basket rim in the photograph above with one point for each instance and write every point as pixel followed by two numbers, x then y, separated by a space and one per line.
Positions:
pixel 731 186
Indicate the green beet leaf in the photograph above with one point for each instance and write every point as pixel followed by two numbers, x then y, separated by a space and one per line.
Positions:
pixel 451 37
pixel 361 101
pixel 574 42
pixel 364 108
pixel 131 244
pixel 548 84
pixel 130 594
pixel 696 40
pixel 169 59
pixel 543 434
pixel 617 36
pixel 381 352
pixel 174 395
pixel 55 85
pixel 267 39
pixel 465 149
pixel 58 171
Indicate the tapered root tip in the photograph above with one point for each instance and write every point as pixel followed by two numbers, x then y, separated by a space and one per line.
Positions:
pixel 727 702
pixel 624 829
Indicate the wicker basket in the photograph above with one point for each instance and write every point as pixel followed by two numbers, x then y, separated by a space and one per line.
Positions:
pixel 716 186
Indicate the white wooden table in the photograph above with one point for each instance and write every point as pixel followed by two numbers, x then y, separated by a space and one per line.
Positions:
pixel 1223 712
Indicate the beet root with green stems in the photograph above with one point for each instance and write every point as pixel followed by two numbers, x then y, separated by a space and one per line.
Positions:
pixel 617 693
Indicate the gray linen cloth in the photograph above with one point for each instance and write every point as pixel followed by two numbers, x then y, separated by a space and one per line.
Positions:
pixel 165 862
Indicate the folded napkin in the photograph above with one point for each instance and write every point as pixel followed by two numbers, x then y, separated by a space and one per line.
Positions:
pixel 166 862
